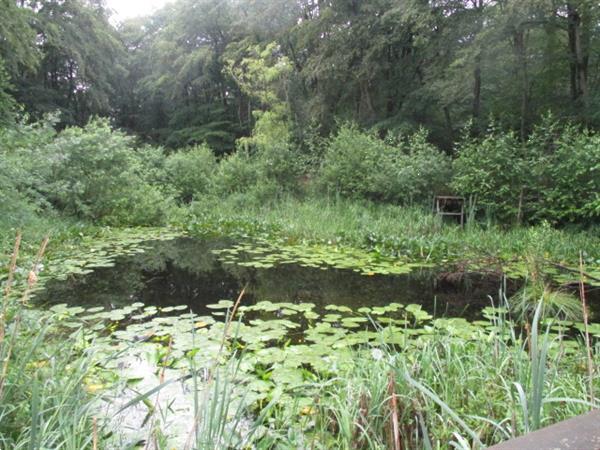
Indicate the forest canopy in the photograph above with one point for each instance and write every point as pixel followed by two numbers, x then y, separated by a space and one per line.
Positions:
pixel 198 71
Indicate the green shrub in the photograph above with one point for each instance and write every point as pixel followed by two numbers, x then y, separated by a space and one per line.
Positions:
pixel 236 173
pixel 95 173
pixel 271 170
pixel 493 170
pixel 570 178
pixel 416 173
pixel 278 163
pixel 360 165
pixel 554 175
pixel 191 172
pixel 23 170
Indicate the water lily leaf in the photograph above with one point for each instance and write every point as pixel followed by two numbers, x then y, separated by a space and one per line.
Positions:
pixel 223 304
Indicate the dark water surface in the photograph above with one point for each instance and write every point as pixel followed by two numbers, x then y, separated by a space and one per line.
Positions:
pixel 186 272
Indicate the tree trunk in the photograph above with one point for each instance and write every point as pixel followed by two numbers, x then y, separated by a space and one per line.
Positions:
pixel 579 58
pixel 521 53
pixel 477 71
pixel 477 90
pixel 366 109
pixel 449 123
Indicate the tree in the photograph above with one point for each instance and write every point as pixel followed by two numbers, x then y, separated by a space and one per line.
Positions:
pixel 79 54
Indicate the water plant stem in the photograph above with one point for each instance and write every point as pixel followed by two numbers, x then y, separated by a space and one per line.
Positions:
pixel 590 361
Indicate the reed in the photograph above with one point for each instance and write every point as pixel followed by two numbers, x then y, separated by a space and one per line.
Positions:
pixel 43 403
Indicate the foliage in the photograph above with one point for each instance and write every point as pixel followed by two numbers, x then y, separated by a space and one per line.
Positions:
pixel 191 172
pixel 18 50
pixel 236 173
pixel 92 172
pixel 494 171
pixel 95 174
pixel 569 163
pixel 179 95
pixel 79 60
pixel 357 164
pixel 7 102
pixel 262 167
pixel 551 176
pixel 22 171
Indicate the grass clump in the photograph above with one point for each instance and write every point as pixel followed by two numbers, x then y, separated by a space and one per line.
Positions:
pixel 43 401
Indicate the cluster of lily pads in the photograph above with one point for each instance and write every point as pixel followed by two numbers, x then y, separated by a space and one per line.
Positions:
pixel 265 255
pixel 283 345
pixel 92 253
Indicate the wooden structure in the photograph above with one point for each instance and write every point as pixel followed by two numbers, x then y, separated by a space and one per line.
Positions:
pixel 444 205
pixel 578 433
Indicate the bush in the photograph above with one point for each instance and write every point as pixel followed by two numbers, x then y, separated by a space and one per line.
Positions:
pixel 360 165
pixel 273 169
pixel 279 163
pixel 554 175
pixel 191 172
pixel 95 173
pixel 23 170
pixel 569 180
pixel 236 173
pixel 493 170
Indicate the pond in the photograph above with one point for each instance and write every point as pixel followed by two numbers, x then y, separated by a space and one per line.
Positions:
pixel 200 272
pixel 307 313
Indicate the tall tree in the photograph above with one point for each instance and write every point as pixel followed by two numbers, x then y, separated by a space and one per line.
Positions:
pixel 80 52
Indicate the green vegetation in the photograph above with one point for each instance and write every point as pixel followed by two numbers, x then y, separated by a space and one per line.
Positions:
pixel 336 379
pixel 551 176
pixel 307 132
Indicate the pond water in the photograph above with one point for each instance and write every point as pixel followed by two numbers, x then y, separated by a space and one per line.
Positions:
pixel 191 272
pixel 285 348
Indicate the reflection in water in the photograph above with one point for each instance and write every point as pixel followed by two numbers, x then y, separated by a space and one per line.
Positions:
pixel 186 271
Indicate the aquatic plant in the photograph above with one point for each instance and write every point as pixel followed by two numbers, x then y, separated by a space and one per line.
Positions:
pixel 328 373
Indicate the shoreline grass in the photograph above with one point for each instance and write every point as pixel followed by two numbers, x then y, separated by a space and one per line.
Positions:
pixel 393 231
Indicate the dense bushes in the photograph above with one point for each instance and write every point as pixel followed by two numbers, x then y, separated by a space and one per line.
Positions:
pixel 408 170
pixel 93 173
pixel 570 177
pixel 99 174
pixel 21 173
pixel 264 166
pixel 191 172
pixel 554 175
pixel 494 171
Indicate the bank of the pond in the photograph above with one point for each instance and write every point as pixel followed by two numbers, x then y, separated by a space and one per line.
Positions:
pixel 399 232
pixel 408 233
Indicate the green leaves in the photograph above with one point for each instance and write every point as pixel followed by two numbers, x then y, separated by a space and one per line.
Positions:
pixel 405 171
pixel 552 176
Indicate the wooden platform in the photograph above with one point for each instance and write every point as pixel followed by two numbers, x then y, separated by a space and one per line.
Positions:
pixel 450 206
pixel 578 433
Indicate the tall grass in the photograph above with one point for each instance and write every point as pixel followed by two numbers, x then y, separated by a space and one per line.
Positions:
pixel 221 416
pixel 394 230
pixel 43 403
pixel 456 392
